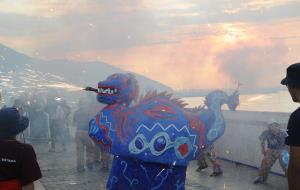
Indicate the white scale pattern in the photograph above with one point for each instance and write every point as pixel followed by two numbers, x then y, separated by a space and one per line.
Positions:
pixel 168 127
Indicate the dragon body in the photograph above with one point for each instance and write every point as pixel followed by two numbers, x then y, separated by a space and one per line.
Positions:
pixel 153 140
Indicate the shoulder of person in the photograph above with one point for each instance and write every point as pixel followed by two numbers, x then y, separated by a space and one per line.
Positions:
pixel 44 114
pixel 265 132
pixel 296 113
pixel 263 135
pixel 24 146
pixel 78 111
pixel 294 118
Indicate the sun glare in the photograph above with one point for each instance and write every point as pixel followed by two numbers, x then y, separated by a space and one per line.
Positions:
pixel 232 34
pixel 168 5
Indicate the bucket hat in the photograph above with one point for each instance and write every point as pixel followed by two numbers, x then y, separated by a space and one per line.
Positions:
pixel 292 75
pixel 11 122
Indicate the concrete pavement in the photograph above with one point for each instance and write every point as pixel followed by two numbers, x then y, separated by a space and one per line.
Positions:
pixel 38 185
pixel 59 173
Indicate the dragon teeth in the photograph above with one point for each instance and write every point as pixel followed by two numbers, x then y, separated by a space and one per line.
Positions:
pixel 108 91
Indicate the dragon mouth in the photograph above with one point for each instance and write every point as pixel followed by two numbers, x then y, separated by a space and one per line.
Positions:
pixel 107 90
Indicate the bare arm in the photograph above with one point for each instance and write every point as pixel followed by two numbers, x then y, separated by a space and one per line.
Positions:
pixel 29 186
pixel 263 149
pixel 294 168
pixel 263 138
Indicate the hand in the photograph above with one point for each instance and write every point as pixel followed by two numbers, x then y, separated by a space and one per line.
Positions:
pixel 263 151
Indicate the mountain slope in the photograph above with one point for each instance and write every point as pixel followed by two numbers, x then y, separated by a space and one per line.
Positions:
pixel 90 73
pixel 19 73
pixel 11 60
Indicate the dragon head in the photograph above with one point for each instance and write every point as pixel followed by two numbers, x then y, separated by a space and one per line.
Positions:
pixel 118 89
pixel 233 101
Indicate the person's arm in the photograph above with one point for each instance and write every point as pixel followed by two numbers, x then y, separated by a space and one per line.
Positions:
pixel 29 186
pixel 262 139
pixel 263 149
pixel 294 168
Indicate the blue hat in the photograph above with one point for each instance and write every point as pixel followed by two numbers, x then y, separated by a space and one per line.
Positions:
pixel 11 122
pixel 292 75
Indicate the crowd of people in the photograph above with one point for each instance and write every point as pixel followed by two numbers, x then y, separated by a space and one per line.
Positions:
pixel 49 115
pixel 50 119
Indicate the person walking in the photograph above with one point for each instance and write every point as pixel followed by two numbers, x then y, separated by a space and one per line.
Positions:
pixel 83 143
pixel 56 123
pixel 211 153
pixel 275 138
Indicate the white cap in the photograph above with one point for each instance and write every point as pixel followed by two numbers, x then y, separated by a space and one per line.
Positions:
pixel 273 121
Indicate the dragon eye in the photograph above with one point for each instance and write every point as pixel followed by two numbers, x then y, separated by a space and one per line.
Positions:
pixel 160 143
pixel 139 144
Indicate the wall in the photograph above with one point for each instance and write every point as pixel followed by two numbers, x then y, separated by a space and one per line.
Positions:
pixel 240 142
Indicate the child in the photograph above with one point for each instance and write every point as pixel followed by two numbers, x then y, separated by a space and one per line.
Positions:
pixel 18 164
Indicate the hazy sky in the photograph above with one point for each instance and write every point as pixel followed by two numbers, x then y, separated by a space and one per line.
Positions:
pixel 181 43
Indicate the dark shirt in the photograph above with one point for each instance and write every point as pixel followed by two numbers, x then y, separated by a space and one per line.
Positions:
pixel 293 129
pixel 274 141
pixel 81 118
pixel 18 161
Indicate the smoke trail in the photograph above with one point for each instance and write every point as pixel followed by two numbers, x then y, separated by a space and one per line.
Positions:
pixel 62 85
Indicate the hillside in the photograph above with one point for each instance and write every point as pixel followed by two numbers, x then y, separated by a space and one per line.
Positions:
pixel 21 73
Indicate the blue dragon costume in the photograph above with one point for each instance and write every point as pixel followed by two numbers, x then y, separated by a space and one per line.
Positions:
pixel 154 139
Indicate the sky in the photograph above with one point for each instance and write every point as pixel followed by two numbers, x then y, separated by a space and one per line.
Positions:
pixel 185 44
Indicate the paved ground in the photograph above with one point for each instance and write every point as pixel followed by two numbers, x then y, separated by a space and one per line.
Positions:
pixel 38 185
pixel 59 173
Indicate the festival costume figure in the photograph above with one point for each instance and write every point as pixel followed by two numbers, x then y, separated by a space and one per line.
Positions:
pixel 276 150
pixel 153 140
